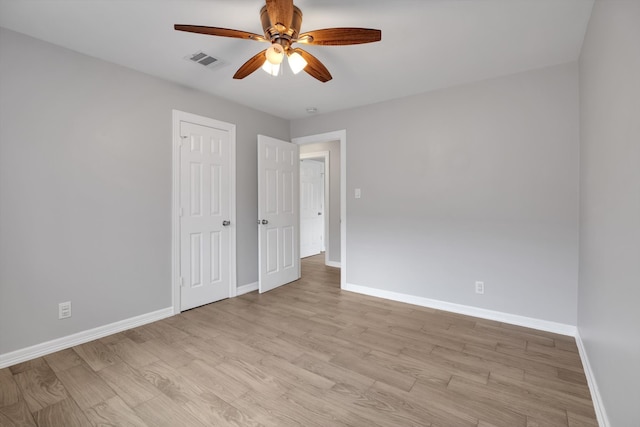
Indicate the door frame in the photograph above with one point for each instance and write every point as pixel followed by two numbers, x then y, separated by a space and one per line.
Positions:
pixel 338 135
pixel 327 200
pixel 177 117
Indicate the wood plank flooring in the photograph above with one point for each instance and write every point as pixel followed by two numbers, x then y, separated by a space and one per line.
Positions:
pixel 306 354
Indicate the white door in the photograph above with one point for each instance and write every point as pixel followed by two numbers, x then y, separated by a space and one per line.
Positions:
pixel 207 258
pixel 311 207
pixel 278 213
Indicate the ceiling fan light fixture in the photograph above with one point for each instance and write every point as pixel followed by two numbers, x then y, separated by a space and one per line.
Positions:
pixel 296 62
pixel 275 54
pixel 272 69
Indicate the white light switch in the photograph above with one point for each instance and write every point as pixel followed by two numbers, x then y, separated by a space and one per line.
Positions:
pixel 358 193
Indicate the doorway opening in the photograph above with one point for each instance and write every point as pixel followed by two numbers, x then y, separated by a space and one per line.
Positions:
pixel 330 148
pixel 315 203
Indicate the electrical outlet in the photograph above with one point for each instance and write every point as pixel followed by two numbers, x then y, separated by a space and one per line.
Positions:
pixel 479 287
pixel 64 310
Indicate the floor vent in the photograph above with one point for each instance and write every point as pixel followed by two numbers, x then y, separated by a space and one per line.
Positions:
pixel 204 59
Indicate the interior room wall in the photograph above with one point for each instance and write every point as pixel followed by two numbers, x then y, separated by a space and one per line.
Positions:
pixel 333 147
pixel 609 290
pixel 472 183
pixel 85 189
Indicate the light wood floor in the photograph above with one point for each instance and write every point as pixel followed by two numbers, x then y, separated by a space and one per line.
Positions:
pixel 306 354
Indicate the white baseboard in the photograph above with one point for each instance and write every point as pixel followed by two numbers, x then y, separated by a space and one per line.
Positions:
pixel 38 350
pixel 598 404
pixel 333 264
pixel 514 319
pixel 245 289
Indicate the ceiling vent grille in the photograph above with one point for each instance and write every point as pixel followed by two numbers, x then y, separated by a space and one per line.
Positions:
pixel 204 59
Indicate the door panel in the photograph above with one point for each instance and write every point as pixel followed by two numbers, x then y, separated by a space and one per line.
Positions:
pixel 271 191
pixel 205 201
pixel 271 235
pixel 287 192
pixel 278 213
pixel 216 256
pixel 216 190
pixel 195 258
pixel 288 243
pixel 311 207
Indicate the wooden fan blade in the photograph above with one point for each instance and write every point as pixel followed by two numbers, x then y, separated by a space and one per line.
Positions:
pixel 223 32
pixel 314 67
pixel 280 13
pixel 251 65
pixel 340 36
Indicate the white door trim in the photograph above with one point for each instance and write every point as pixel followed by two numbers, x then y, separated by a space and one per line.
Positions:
pixel 338 135
pixel 327 200
pixel 179 116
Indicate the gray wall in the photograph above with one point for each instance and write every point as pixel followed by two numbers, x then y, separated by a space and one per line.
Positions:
pixel 477 182
pixel 85 188
pixel 333 147
pixel 609 291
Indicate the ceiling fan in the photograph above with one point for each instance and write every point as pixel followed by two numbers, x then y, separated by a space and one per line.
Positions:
pixel 281 22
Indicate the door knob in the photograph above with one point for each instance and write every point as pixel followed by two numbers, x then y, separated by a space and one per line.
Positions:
pixel 225 222
pixel 264 221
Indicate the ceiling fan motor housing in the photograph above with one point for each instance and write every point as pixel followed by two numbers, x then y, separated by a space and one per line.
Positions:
pixel 281 32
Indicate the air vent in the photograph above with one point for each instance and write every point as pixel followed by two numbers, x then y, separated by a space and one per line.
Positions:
pixel 204 59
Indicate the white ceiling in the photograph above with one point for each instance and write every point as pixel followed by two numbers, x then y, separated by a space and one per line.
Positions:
pixel 426 44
